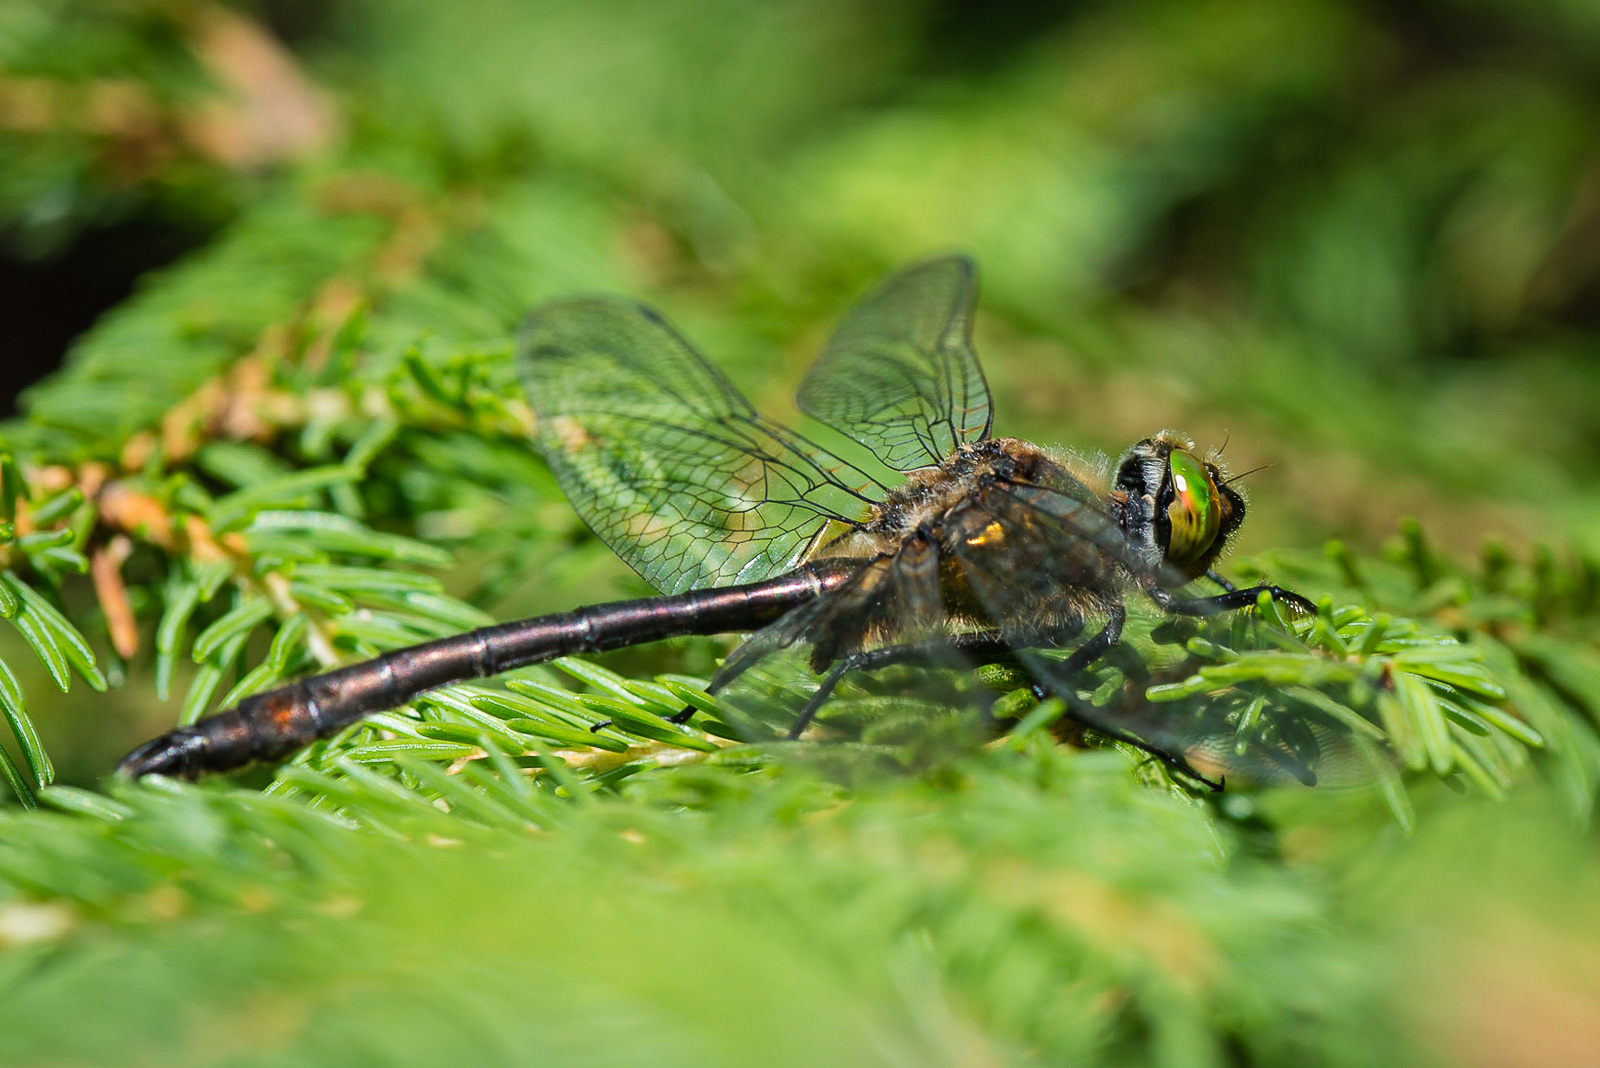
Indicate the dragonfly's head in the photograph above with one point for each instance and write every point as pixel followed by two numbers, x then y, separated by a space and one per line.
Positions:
pixel 1180 511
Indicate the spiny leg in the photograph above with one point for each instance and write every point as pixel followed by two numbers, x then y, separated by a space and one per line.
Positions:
pixel 1088 652
pixel 985 644
pixel 992 645
pixel 1059 680
pixel 1231 601
pixel 814 702
pixel 981 644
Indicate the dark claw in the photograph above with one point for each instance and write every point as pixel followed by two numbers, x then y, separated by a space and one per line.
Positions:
pixel 1216 786
pixel 1293 600
pixel 682 716
pixel 178 754
pixel 596 728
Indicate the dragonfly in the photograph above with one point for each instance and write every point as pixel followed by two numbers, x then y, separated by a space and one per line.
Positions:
pixel 964 548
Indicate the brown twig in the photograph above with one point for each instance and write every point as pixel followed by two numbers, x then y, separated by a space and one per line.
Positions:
pixel 105 568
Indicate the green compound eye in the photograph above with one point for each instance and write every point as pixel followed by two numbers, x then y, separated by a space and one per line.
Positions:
pixel 1195 513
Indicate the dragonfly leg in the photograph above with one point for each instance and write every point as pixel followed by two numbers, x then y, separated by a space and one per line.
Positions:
pixel 984 646
pixel 1056 683
pixel 815 701
pixel 1227 602
pixel 981 644
pixel 1216 576
pixel 1088 652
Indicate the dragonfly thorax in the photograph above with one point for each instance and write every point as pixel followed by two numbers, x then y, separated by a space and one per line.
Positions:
pixel 975 516
pixel 925 504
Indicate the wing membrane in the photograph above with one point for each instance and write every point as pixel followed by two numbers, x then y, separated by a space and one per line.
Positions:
pixel 664 459
pixel 1051 534
pixel 899 374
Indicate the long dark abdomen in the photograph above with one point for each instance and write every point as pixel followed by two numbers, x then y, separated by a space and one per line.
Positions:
pixel 274 724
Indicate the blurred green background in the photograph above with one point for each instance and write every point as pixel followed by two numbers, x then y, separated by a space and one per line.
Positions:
pixel 1363 237
pixel 1358 241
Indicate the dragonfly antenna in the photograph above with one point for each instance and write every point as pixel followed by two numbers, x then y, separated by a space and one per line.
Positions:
pixel 1241 474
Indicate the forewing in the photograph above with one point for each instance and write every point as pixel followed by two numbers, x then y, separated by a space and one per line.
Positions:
pixel 664 459
pixel 899 374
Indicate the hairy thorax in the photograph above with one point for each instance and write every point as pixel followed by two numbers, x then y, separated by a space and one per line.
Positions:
pixel 1003 535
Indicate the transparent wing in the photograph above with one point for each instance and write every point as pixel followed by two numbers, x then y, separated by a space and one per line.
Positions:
pixel 664 459
pixel 891 600
pixel 1042 539
pixel 770 685
pixel 899 374
pixel 1042 543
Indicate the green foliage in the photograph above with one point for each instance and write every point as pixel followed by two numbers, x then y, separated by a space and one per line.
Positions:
pixel 94 100
pixel 304 445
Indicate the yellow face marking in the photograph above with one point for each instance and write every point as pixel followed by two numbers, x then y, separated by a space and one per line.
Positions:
pixel 989 535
